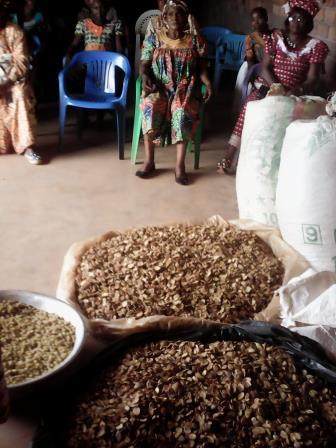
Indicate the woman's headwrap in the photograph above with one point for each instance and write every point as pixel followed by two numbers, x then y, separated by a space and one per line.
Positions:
pixel 311 6
pixel 176 4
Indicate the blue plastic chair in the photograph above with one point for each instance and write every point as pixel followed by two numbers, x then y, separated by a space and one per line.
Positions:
pixel 251 76
pixel 37 44
pixel 230 54
pixel 212 35
pixel 100 90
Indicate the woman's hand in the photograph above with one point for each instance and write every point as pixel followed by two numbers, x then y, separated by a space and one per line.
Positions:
pixel 298 91
pixel 208 92
pixel 148 86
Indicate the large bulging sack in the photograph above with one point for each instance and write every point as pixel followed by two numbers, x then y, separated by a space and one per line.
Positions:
pixel 265 126
pixel 306 203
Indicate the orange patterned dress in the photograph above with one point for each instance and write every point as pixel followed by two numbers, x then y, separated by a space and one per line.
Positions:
pixel 17 103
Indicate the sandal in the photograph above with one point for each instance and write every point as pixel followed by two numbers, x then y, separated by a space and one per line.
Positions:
pixel 224 164
pixel 182 180
pixel 145 174
pixel 228 165
pixel 33 157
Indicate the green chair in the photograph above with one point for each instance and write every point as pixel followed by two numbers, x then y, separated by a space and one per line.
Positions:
pixel 194 147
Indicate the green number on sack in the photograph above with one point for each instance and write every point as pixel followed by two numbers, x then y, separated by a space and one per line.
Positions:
pixel 271 219
pixel 274 219
pixel 312 234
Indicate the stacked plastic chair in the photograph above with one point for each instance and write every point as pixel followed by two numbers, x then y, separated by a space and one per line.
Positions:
pixel 230 55
pixel 213 35
pixel 140 31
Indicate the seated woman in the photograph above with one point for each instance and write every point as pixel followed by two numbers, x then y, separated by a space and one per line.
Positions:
pixel 96 32
pixel 156 22
pixel 85 12
pixel 254 51
pixel 173 69
pixel 255 43
pixel 31 20
pixel 17 104
pixel 291 66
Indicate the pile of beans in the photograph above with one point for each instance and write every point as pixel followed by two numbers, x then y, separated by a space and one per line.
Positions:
pixel 188 394
pixel 201 271
pixel 33 342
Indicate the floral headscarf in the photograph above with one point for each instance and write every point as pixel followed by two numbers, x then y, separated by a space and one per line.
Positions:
pixel 311 6
pixel 176 4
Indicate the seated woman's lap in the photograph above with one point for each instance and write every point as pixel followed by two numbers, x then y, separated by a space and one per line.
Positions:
pixel 182 119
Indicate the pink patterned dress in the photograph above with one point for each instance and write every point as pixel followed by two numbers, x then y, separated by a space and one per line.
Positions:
pixel 290 67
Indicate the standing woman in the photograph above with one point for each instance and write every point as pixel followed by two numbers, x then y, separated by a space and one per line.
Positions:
pixel 292 65
pixel 172 71
pixel 17 104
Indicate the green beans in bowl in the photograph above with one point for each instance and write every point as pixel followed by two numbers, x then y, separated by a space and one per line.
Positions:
pixel 40 337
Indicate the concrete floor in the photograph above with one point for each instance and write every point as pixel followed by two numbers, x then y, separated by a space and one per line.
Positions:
pixel 87 191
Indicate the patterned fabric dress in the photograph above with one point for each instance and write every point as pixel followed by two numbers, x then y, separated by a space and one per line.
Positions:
pixel 290 68
pixel 17 106
pixel 99 37
pixel 175 106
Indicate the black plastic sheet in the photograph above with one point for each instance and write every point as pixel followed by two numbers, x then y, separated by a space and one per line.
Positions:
pixel 306 351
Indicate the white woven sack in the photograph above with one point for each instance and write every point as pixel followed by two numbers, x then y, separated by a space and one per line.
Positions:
pixel 264 131
pixel 306 191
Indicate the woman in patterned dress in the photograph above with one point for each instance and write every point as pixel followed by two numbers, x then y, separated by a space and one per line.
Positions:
pixel 173 70
pixel 255 43
pixel 96 32
pixel 292 65
pixel 17 103
pixel 254 52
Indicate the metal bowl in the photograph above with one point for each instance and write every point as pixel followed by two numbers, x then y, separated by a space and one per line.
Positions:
pixel 62 309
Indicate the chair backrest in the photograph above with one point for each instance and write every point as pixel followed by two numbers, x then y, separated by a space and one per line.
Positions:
pixel 250 77
pixel 101 70
pixel 230 51
pixel 143 21
pixel 36 42
pixel 212 35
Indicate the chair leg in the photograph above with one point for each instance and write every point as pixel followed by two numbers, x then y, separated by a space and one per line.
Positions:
pixel 198 139
pixel 137 124
pixel 120 113
pixel 217 77
pixel 81 118
pixel 62 119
